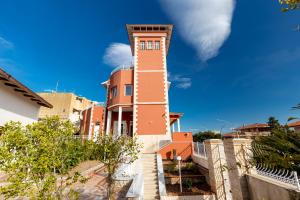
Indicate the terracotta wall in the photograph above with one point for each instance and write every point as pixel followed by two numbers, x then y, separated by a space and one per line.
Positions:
pixel 88 117
pixel 119 79
pixel 182 144
pixel 150 87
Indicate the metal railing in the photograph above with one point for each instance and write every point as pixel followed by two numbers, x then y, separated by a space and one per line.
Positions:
pixel 283 175
pixel 199 149
pixel 122 67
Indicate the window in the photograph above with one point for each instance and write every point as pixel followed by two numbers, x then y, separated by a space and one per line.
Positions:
pixel 128 90
pixel 114 91
pixel 156 45
pixel 143 47
pixel 149 45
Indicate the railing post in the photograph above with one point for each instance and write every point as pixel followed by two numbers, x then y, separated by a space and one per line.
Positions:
pixel 204 151
pixel 296 180
pixel 198 149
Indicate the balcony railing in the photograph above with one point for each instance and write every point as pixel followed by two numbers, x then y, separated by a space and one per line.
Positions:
pixel 122 67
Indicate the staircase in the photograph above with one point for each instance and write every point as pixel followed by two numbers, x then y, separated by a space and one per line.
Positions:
pixel 151 190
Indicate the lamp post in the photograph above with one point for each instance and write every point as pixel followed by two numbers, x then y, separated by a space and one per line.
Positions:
pixel 179 167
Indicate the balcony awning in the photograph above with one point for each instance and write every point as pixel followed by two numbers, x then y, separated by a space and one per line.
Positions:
pixel 174 116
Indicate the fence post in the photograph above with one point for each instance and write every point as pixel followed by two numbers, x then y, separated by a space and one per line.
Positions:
pixel 204 151
pixel 218 176
pixel 238 164
pixel 296 180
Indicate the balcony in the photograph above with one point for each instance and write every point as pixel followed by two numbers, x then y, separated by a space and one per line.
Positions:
pixel 122 67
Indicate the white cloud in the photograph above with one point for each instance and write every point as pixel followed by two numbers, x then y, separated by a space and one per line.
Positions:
pixel 5 44
pixel 203 24
pixel 180 82
pixel 117 54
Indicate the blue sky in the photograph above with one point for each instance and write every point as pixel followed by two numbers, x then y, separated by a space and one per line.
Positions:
pixel 229 65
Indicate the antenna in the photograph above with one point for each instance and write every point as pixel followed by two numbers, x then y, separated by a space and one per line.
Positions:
pixel 56 86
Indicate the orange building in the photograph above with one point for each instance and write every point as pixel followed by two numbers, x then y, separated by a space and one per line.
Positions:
pixel 137 96
pixel 91 122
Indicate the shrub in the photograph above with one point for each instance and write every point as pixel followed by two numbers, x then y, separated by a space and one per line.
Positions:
pixel 191 167
pixel 37 157
pixel 187 183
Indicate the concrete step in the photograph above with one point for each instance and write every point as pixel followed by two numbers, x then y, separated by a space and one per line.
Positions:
pixel 150 179
pixel 152 185
pixel 151 197
pixel 150 188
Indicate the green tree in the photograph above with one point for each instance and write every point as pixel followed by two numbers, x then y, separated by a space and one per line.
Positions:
pixel 289 4
pixel 38 157
pixel 281 149
pixel 201 136
pixel 273 123
pixel 115 151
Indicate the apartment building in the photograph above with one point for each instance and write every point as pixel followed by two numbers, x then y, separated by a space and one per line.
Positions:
pixel 65 105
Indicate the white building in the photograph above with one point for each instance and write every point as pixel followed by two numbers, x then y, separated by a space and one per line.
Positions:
pixel 17 102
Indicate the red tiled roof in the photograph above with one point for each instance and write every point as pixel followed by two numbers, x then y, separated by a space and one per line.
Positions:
pixel 294 124
pixel 230 135
pixel 256 125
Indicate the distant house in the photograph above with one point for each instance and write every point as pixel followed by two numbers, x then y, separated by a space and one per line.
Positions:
pixel 91 122
pixel 249 131
pixel 67 106
pixel 17 102
pixel 295 126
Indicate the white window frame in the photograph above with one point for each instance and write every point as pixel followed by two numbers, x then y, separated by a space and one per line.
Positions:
pixel 114 91
pixel 150 44
pixel 156 45
pixel 143 45
pixel 125 86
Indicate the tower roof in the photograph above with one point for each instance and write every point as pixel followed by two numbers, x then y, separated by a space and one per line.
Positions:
pixel 149 28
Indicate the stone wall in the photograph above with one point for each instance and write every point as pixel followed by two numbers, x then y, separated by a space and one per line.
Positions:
pixel 200 160
pixel 261 187
pixel 237 157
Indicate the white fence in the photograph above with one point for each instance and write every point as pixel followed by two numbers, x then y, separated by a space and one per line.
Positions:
pixel 283 175
pixel 199 149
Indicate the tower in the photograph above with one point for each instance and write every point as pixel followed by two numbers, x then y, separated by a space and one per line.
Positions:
pixel 149 46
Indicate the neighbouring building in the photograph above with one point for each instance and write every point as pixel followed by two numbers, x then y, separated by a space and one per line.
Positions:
pixel 249 131
pixel 17 102
pixel 295 126
pixel 137 96
pixel 67 106
pixel 91 123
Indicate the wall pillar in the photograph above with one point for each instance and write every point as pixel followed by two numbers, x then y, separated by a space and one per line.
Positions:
pixel 173 128
pixel 238 153
pixel 218 174
pixel 108 122
pixel 178 125
pixel 119 121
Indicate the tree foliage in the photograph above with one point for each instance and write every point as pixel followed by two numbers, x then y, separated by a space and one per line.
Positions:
pixel 281 149
pixel 115 151
pixel 201 136
pixel 290 4
pixel 297 106
pixel 38 157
